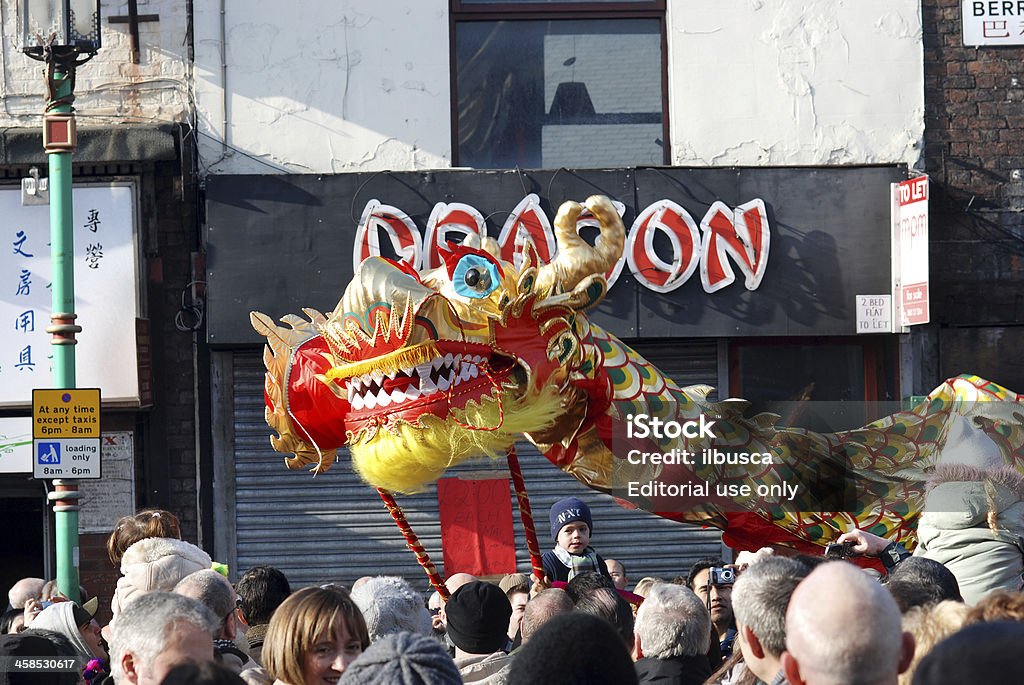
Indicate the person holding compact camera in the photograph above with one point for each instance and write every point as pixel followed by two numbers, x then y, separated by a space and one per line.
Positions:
pixel 712 579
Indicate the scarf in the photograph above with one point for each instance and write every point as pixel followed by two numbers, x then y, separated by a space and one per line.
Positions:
pixel 578 563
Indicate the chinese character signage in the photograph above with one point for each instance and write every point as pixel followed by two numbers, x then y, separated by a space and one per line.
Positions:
pixel 106 294
pixel 993 22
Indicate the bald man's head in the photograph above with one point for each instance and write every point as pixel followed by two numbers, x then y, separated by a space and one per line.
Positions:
pixel 24 590
pixel 542 608
pixel 843 628
pixel 454 582
pixel 457 580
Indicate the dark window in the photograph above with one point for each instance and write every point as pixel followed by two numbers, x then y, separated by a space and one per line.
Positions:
pixel 822 384
pixel 563 90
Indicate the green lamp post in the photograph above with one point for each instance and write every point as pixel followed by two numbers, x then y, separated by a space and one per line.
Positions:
pixel 64 34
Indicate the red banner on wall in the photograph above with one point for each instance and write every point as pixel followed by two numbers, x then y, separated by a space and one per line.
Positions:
pixel 476 526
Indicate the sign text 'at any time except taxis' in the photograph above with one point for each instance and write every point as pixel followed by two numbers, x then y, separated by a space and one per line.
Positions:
pixel 66 433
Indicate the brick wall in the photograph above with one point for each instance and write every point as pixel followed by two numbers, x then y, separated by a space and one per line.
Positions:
pixel 156 89
pixel 974 154
pixel 172 428
pixel 165 434
pixel 95 572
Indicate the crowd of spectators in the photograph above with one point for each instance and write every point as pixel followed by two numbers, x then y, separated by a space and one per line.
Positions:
pixel 873 616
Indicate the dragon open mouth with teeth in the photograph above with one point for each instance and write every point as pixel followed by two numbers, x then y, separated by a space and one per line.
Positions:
pixel 416 371
pixel 419 383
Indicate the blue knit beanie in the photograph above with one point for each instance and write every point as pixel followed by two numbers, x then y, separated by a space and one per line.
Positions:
pixel 565 511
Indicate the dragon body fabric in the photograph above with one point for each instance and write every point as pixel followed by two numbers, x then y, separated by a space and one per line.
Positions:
pixel 416 371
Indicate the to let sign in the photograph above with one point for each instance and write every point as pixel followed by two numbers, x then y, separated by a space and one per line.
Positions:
pixel 910 251
pixel 993 22
pixel 66 433
pixel 874 313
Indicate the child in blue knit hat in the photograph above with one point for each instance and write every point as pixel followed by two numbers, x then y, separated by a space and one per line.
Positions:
pixel 571 527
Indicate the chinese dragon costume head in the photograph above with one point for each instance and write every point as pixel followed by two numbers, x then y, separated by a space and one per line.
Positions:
pixel 415 371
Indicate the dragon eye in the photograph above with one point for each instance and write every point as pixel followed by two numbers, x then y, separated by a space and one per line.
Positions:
pixel 475 276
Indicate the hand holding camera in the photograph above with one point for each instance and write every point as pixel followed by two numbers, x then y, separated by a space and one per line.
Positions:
pixel 840 550
pixel 721 575
pixel 863 543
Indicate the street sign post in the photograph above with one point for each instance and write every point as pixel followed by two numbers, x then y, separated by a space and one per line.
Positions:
pixel 66 433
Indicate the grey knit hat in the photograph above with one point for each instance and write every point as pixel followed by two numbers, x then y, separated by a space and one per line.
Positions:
pixel 403 659
pixel 390 605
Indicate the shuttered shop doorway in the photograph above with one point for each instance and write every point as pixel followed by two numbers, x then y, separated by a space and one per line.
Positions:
pixel 334 528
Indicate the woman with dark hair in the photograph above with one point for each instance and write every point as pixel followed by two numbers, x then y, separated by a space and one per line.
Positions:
pixel 12 621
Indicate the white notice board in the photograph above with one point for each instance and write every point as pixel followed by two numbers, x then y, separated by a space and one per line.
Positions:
pixel 993 22
pixel 106 294
pixel 106 500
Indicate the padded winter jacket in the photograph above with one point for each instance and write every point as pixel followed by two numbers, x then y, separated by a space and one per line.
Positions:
pixel 954 528
pixel 155 564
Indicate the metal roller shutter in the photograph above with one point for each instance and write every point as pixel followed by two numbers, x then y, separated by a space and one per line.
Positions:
pixel 687 362
pixel 334 528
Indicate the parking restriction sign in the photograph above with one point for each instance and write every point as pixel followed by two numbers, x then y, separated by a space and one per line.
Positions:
pixel 66 433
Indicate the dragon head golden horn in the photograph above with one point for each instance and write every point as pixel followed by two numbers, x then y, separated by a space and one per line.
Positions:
pixel 576 259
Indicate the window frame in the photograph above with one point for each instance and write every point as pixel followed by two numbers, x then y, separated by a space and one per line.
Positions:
pixel 464 12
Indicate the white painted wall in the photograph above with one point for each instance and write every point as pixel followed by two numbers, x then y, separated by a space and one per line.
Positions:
pixel 323 85
pixel 785 82
pixel 332 86
pixel 108 89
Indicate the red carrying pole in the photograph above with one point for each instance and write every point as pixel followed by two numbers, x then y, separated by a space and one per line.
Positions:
pixel 525 513
pixel 413 543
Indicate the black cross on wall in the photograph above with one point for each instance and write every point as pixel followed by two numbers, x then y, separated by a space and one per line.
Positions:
pixel 132 19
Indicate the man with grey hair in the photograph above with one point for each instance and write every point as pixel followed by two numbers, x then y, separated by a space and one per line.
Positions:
pixel 672 634
pixel 843 628
pixel 155 633
pixel 542 608
pixel 214 592
pixel 759 600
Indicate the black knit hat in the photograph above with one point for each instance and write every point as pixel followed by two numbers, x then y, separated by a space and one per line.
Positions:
pixel 28 645
pixel 573 649
pixel 478 615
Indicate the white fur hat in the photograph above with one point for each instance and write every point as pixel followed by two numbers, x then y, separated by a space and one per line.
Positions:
pixel 969 445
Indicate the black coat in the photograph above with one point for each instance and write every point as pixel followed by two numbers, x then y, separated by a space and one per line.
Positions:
pixel 677 670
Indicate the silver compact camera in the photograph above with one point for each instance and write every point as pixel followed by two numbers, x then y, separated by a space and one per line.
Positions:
pixel 721 575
